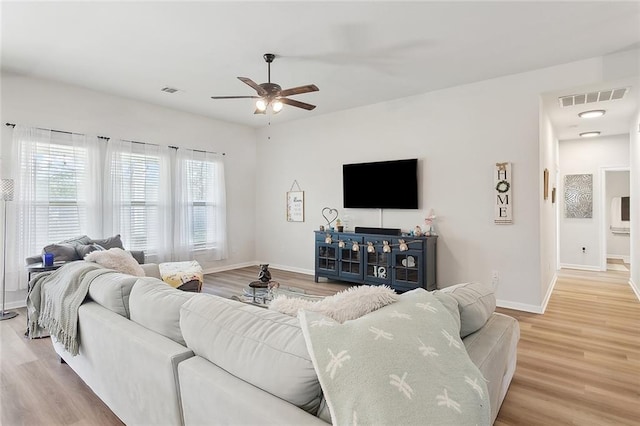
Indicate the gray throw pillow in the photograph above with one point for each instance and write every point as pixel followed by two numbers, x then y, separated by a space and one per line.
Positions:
pixel 109 243
pixel 476 302
pixel 63 252
pixel 85 249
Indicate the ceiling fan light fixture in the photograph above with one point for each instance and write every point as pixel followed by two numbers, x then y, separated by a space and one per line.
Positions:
pixel 592 113
pixel 589 134
pixel 276 106
pixel 261 105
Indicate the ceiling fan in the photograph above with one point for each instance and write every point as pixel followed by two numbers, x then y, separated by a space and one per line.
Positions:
pixel 271 94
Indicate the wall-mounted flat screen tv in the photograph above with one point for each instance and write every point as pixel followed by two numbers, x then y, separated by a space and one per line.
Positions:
pixel 381 185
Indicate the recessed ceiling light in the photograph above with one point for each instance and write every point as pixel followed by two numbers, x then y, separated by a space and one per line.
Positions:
pixel 592 113
pixel 589 134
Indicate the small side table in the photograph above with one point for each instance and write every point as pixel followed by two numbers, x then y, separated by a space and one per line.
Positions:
pixel 261 285
pixel 36 268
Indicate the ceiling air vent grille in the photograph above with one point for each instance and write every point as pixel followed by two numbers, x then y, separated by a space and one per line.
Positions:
pixel 169 90
pixel 593 97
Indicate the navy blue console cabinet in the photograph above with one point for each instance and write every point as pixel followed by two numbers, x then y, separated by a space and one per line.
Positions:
pixel 377 259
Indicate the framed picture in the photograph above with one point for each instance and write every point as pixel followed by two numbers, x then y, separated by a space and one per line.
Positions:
pixel 295 206
pixel 578 196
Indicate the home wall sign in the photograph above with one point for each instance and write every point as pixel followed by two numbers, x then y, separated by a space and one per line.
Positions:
pixel 295 204
pixel 578 196
pixel 503 210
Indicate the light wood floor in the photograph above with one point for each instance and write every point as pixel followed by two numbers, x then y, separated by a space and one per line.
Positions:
pixel 578 364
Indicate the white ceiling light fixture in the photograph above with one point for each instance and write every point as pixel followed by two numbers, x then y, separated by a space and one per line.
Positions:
pixel 589 134
pixel 261 105
pixel 594 113
pixel 276 106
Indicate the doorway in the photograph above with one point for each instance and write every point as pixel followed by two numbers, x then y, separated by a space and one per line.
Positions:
pixel 616 223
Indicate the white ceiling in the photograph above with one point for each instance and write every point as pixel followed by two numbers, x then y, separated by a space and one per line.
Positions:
pixel 357 53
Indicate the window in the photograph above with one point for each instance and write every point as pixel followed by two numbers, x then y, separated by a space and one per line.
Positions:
pixel 138 194
pixel 200 205
pixel 55 187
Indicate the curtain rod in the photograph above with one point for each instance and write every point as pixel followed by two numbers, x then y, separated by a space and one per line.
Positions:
pixel 107 138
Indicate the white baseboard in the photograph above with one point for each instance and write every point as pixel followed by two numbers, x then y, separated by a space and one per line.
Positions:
pixel 624 258
pixel 581 267
pixel 15 304
pixel 547 296
pixel 635 288
pixel 520 306
pixel 292 269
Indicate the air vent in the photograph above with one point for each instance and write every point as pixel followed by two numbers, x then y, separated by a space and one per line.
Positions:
pixel 169 90
pixel 593 97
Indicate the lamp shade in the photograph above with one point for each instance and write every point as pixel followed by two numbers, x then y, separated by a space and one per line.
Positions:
pixel 6 186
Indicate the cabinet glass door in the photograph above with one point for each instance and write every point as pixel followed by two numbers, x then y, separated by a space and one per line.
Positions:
pixel 377 267
pixel 327 259
pixel 407 270
pixel 350 265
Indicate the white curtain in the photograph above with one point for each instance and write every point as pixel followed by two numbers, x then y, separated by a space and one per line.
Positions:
pixel 56 197
pixel 200 206
pixel 137 197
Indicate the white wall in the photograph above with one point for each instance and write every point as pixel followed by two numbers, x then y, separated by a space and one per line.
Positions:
pixel 617 184
pixel 47 104
pixel 458 134
pixel 587 156
pixel 548 209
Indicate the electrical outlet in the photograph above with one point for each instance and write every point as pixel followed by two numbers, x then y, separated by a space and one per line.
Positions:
pixel 495 278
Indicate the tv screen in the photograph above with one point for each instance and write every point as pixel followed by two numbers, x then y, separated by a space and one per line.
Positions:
pixel 381 185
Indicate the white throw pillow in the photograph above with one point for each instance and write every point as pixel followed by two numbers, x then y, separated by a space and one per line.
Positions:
pixel 118 259
pixel 345 305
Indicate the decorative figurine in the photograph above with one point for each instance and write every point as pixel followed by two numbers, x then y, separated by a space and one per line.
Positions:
pixel 417 231
pixel 370 247
pixel 264 275
pixel 386 248
pixel 428 221
pixel 403 245
pixel 355 246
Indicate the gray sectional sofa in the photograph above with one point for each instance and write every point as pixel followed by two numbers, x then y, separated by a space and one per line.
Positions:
pixel 157 355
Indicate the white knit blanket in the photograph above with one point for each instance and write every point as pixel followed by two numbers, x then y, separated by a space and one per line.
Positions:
pixel 54 299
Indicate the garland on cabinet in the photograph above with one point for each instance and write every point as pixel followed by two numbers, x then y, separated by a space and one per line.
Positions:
pixel 371 247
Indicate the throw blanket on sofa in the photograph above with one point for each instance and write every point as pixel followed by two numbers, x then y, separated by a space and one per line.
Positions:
pixel 54 299
pixel 402 364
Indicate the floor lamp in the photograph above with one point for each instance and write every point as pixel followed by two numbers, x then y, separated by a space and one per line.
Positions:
pixel 7 195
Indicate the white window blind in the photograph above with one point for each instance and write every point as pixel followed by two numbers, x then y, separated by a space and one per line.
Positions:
pixel 200 228
pixel 138 197
pixel 200 177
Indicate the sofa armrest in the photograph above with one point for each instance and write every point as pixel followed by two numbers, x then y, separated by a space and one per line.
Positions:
pixel 138 255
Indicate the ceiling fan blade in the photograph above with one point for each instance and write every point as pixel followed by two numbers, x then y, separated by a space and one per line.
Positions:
pixel 235 97
pixel 298 104
pixel 299 90
pixel 254 85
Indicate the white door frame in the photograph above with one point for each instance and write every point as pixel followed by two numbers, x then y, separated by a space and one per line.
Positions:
pixel 603 201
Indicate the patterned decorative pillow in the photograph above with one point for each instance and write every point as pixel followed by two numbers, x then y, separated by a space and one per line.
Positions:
pixel 402 364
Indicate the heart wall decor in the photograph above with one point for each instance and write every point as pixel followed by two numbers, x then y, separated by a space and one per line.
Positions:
pixel 330 215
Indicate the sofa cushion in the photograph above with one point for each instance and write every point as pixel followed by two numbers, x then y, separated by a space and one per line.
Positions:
pixel 108 243
pixel 476 302
pixel 262 347
pixel 155 305
pixel 112 291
